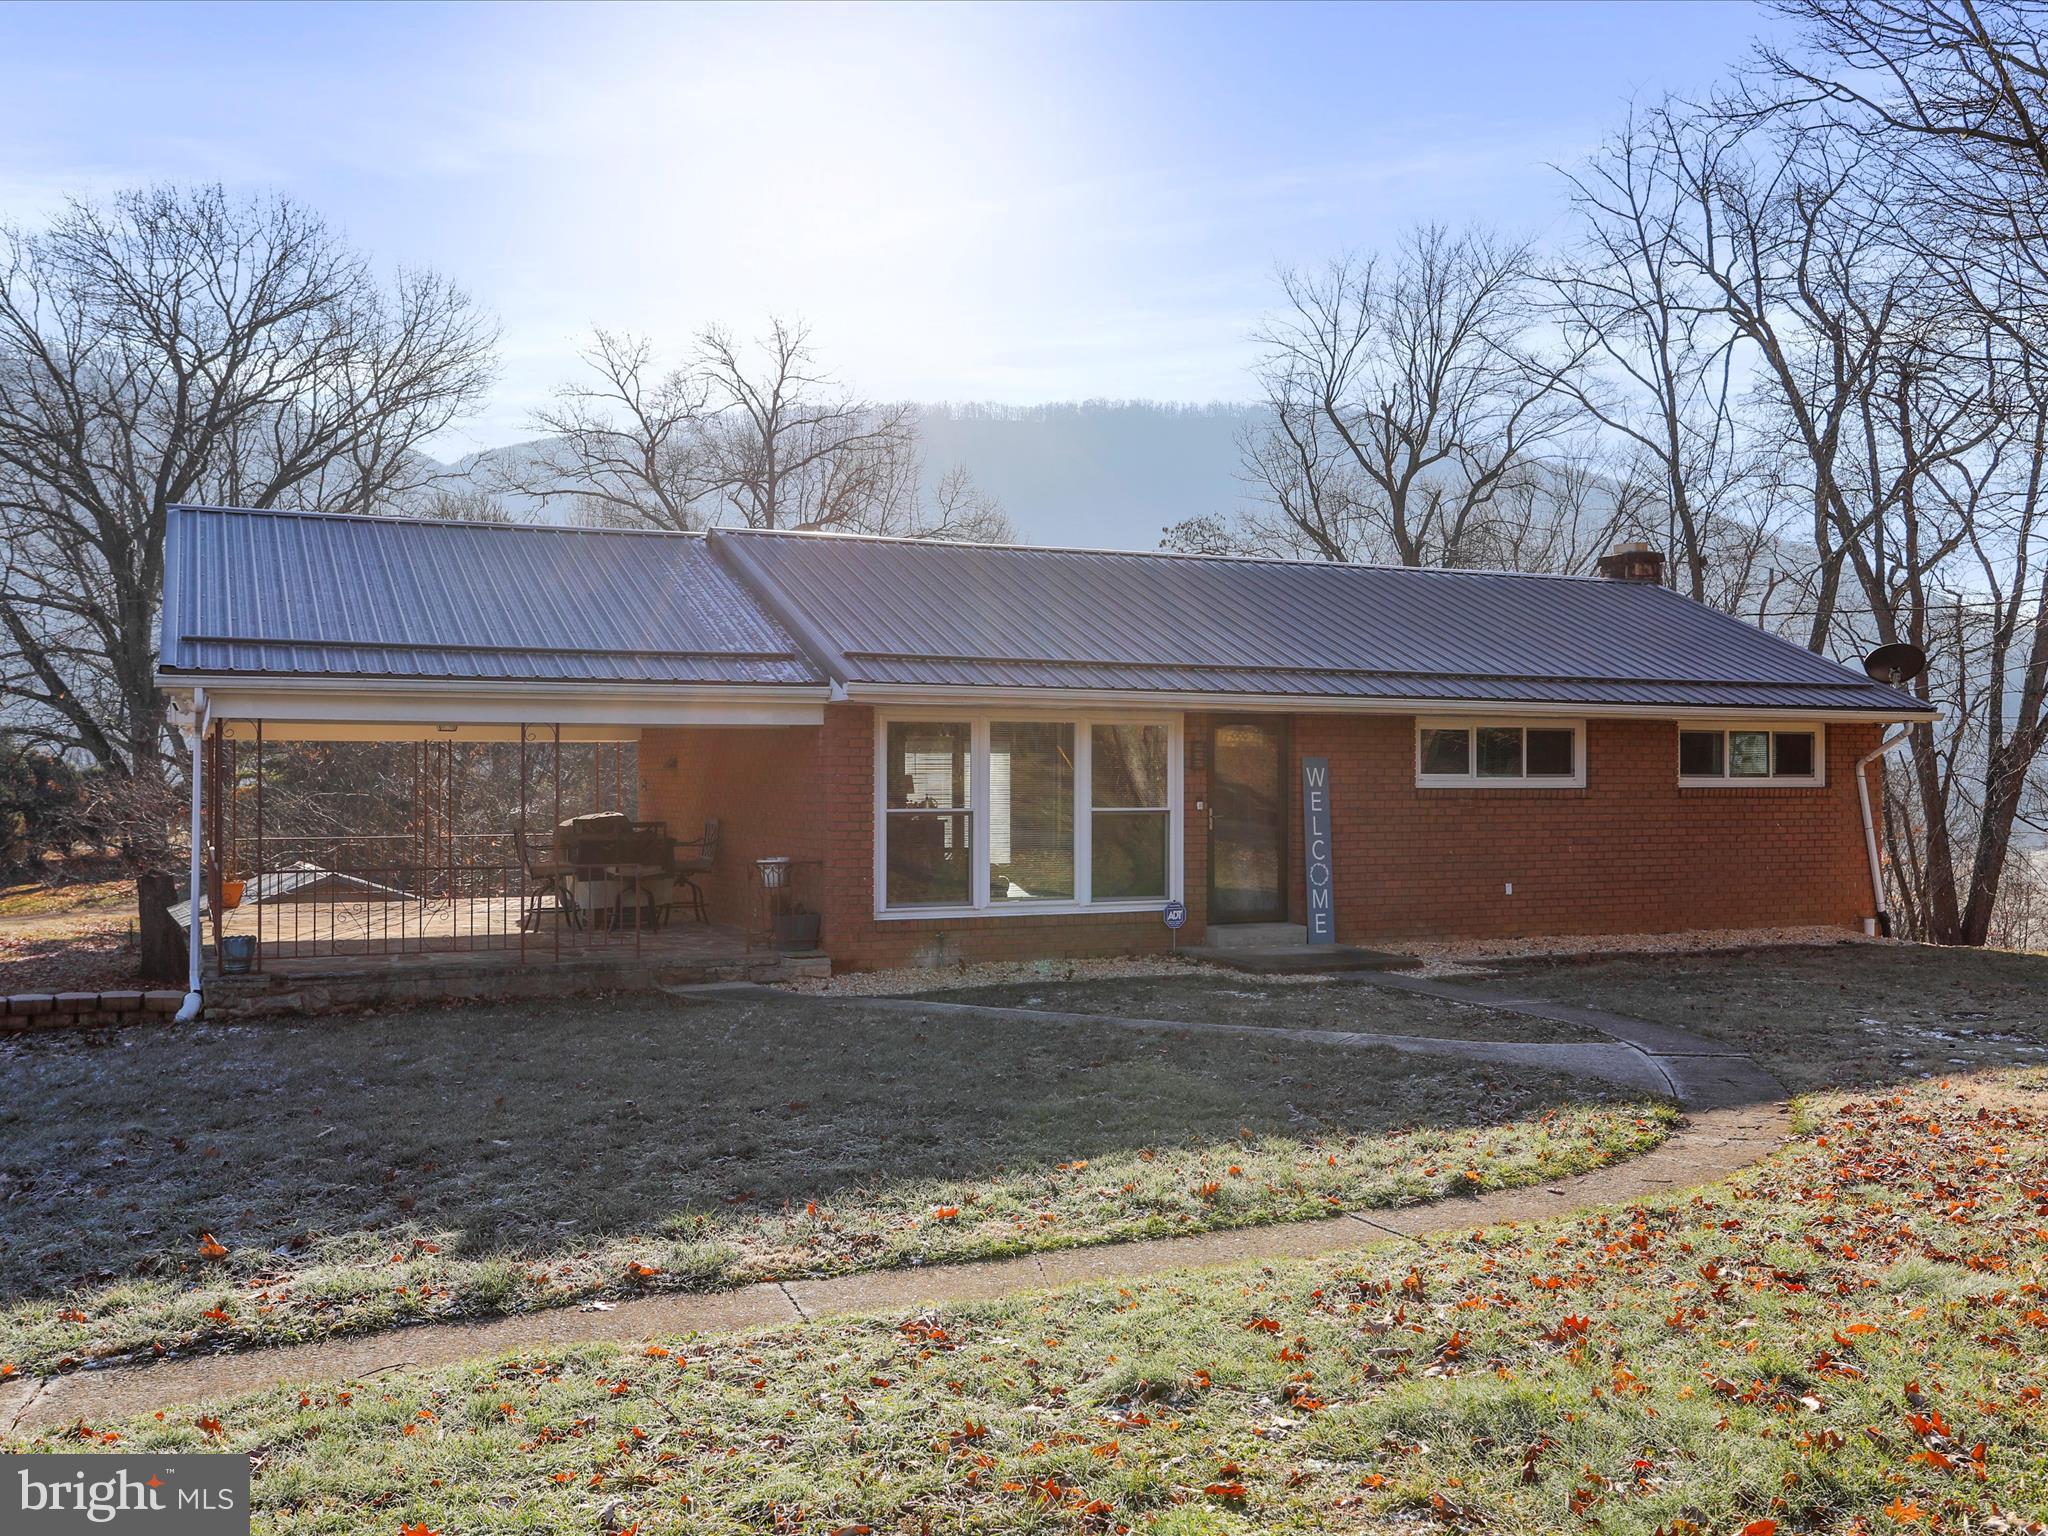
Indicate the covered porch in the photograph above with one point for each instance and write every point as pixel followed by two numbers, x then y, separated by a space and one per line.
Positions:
pixel 391 720
pixel 384 848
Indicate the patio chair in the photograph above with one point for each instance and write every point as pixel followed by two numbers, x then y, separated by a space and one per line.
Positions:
pixel 545 879
pixel 696 857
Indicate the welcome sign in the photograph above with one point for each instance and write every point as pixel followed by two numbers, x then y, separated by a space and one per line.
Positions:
pixel 1316 852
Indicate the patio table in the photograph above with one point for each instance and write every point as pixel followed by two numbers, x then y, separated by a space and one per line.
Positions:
pixel 607 887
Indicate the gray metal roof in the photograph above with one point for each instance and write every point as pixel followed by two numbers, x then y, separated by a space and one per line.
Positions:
pixel 886 611
pixel 297 594
pixel 285 594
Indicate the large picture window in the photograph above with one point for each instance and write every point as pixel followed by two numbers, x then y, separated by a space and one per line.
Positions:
pixel 1001 813
pixel 1500 754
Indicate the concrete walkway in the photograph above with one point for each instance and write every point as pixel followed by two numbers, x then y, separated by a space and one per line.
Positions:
pixel 1735 1115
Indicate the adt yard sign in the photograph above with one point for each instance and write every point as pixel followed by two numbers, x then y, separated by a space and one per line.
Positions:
pixel 1174 914
pixel 1316 852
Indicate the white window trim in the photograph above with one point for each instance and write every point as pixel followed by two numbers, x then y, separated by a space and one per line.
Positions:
pixel 1818 779
pixel 1472 725
pixel 978 805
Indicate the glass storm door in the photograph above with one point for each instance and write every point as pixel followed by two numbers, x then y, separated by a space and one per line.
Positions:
pixel 1248 821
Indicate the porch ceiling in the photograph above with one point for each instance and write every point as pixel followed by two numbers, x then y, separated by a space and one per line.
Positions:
pixel 476 714
pixel 404 730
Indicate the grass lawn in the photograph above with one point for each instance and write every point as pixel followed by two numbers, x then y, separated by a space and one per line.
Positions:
pixel 1848 1338
pixel 172 1187
pixel 1856 1015
pixel 37 899
pixel 62 938
pixel 1228 998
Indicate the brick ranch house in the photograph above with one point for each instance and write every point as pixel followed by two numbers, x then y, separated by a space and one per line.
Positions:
pixel 997 752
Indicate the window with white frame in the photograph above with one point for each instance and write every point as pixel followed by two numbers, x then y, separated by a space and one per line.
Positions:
pixel 995 813
pixel 1533 754
pixel 1774 753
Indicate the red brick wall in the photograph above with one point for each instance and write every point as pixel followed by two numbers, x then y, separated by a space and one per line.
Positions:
pixel 1630 853
pixel 762 784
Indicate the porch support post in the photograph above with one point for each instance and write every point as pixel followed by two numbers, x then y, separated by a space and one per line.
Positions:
pixel 194 729
pixel 558 821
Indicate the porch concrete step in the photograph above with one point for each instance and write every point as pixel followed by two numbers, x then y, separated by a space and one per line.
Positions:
pixel 1256 935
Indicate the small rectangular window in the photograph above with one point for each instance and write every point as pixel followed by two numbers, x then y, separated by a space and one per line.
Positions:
pixel 1699 754
pixel 1749 754
pixel 1745 756
pixel 1446 752
pixel 1793 754
pixel 1500 752
pixel 1452 754
pixel 1550 754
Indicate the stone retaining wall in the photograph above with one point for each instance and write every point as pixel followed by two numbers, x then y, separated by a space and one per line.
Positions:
pixel 79 1010
pixel 282 995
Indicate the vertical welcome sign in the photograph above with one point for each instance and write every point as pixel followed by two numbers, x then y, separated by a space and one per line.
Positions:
pixel 1316 852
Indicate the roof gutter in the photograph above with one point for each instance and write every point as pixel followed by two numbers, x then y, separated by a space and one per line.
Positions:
pixel 1318 703
pixel 370 682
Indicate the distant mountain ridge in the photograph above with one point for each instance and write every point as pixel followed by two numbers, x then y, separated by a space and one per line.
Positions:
pixel 1096 473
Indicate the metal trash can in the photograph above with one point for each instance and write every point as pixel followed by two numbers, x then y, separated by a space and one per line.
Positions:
pixel 237 954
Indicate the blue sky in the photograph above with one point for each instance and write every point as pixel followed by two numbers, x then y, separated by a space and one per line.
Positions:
pixel 1016 203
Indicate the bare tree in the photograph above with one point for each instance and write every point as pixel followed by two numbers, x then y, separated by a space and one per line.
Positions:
pixel 461 504
pixel 794 449
pixel 627 444
pixel 758 436
pixel 957 509
pixel 1403 402
pixel 1941 528
pixel 1657 364
pixel 182 346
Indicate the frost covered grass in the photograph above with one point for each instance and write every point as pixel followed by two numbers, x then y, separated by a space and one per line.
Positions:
pixel 177 1187
pixel 1845 1339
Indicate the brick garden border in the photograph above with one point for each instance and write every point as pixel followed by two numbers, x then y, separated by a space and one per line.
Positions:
pixel 21 1011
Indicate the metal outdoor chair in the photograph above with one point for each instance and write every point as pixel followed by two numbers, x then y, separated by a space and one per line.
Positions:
pixel 696 857
pixel 545 879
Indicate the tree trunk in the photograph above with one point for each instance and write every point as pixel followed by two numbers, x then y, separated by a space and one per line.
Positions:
pixel 1940 910
pixel 163 937
pixel 2005 780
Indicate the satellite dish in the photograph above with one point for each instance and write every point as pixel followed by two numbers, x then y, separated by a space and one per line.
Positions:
pixel 1895 664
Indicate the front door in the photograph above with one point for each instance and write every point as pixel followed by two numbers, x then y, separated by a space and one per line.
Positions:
pixel 1248 821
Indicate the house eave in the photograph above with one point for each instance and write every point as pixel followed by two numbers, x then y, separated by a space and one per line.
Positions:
pixel 333 700
pixel 1281 703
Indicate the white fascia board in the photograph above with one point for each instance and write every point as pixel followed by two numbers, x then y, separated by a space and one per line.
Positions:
pixel 899 694
pixel 426 701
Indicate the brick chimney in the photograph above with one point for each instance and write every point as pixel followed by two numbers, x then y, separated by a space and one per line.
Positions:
pixel 1633 562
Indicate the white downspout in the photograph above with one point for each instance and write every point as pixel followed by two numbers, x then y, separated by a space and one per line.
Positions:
pixel 195 737
pixel 1884 922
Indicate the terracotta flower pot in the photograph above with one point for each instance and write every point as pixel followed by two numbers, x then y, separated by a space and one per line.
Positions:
pixel 231 894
